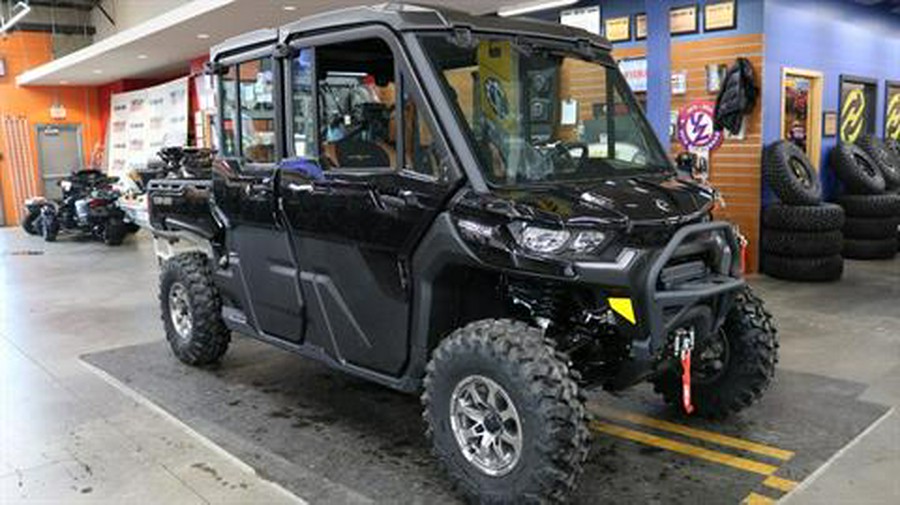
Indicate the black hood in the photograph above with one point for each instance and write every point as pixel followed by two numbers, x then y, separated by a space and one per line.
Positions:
pixel 620 201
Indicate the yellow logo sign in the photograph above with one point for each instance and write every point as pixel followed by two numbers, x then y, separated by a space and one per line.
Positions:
pixel 853 116
pixel 892 125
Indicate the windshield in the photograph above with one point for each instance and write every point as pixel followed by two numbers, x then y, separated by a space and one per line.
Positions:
pixel 541 114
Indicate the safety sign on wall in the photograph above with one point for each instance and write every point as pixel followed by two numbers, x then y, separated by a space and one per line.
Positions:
pixel 143 122
pixel 857 109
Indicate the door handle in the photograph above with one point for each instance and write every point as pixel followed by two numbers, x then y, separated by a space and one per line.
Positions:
pixel 301 188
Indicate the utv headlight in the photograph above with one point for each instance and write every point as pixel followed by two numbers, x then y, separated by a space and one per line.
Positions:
pixel 587 241
pixel 543 240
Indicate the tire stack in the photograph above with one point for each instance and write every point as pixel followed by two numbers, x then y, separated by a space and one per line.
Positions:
pixel 801 235
pixel 870 173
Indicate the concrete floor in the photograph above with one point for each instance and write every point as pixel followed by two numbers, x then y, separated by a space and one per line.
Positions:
pixel 68 436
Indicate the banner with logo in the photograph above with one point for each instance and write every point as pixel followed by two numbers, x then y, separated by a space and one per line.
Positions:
pixel 892 111
pixel 857 109
pixel 144 121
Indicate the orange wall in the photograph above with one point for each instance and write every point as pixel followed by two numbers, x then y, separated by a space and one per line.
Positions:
pixel 22 51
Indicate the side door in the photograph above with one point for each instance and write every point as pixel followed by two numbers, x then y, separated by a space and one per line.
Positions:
pixel 263 274
pixel 363 186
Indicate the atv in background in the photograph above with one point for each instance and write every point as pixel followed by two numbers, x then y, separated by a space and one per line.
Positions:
pixel 88 206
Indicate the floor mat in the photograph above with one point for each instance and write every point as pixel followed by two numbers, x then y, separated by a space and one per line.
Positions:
pixel 332 438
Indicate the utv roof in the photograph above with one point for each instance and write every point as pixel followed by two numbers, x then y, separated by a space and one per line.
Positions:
pixel 404 17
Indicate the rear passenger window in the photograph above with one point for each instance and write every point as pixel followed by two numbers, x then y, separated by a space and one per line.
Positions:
pixel 302 103
pixel 358 114
pixel 257 110
pixel 228 108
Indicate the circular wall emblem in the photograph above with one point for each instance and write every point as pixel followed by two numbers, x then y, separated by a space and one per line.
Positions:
pixel 853 116
pixel 496 97
pixel 695 126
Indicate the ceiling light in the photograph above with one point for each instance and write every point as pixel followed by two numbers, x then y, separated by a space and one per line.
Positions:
pixel 290 8
pixel 142 56
pixel 528 7
pixel 202 36
pixel 21 10
pixel 97 71
pixel 63 83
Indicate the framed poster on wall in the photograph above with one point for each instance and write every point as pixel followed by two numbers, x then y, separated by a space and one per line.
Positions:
pixel 640 26
pixel 618 29
pixel 587 18
pixel 720 16
pixel 856 107
pixel 683 20
pixel 892 110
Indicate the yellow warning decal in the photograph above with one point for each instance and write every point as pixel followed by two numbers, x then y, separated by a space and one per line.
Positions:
pixel 624 308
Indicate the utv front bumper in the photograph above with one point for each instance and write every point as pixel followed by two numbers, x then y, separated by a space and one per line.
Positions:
pixel 689 281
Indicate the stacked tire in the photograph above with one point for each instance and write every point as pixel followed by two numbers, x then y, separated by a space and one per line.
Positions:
pixel 870 173
pixel 801 236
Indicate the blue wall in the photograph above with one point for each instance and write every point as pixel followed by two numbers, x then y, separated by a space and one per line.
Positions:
pixel 834 37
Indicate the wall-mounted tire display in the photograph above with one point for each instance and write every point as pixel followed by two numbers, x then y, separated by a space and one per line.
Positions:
pixel 790 174
pixel 857 170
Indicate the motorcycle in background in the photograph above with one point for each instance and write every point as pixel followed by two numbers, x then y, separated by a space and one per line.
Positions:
pixel 88 206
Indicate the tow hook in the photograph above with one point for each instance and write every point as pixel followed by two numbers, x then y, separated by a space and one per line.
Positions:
pixel 684 346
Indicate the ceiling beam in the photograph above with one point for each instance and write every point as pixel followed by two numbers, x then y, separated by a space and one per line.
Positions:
pixel 54 28
pixel 62 4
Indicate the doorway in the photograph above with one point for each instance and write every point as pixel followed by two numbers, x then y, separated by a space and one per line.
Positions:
pixel 801 111
pixel 59 153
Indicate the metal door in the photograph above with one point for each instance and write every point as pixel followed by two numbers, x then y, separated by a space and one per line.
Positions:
pixel 59 154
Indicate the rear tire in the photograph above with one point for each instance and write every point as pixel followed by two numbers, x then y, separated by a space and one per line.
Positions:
pixel 192 310
pixel 752 343
pixel 551 422
pixel 31 221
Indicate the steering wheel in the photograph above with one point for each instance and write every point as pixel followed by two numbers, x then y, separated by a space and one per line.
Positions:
pixel 562 154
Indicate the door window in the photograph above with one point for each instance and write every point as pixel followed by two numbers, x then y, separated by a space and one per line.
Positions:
pixel 228 106
pixel 357 105
pixel 257 110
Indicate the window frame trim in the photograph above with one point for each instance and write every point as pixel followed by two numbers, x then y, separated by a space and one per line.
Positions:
pixel 403 71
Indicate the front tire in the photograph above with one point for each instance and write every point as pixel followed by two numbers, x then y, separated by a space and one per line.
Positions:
pixel 192 310
pixel 751 352
pixel 504 414
pixel 114 232
pixel 49 227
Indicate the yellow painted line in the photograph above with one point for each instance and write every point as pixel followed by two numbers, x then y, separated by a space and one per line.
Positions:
pixel 780 484
pixel 747 465
pixel 757 499
pixel 707 436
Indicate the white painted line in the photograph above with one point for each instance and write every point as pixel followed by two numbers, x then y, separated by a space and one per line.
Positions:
pixel 819 471
pixel 134 395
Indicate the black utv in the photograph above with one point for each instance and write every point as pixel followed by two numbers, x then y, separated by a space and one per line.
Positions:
pixel 473 208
